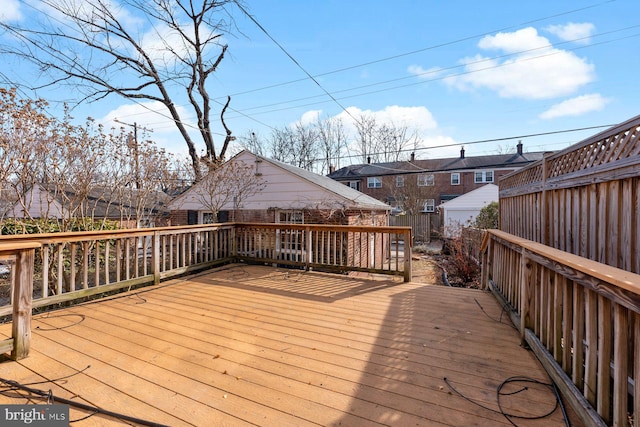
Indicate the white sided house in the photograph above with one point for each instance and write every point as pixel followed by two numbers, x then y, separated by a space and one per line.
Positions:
pixel 287 194
pixel 463 210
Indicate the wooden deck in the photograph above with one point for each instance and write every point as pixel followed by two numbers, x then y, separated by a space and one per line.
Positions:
pixel 250 345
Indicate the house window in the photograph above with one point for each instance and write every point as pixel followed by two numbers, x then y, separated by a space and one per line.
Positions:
pixel 291 217
pixel 483 176
pixel 399 181
pixel 208 218
pixel 455 178
pixel 353 184
pixel 429 205
pixel 425 180
pixel 374 182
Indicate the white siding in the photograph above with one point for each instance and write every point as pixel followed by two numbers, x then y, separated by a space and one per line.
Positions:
pixel 283 190
pixel 463 210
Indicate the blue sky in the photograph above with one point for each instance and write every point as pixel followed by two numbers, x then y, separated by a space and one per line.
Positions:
pixel 456 71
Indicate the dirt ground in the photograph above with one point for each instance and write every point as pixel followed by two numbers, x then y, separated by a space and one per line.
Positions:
pixel 426 263
pixel 429 263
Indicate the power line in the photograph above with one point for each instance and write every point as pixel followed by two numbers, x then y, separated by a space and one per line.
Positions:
pixel 424 81
pixel 445 44
pixel 295 61
pixel 482 141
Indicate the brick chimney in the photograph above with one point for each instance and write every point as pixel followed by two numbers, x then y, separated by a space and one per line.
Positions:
pixel 332 169
pixel 462 153
pixel 519 147
pixel 413 157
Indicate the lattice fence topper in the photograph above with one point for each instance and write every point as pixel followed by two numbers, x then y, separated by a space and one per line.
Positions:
pixel 613 145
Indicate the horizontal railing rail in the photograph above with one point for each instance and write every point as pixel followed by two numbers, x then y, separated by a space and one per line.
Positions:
pixel 75 265
pixel 581 317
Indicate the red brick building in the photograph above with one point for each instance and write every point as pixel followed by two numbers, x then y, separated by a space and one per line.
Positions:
pixel 421 185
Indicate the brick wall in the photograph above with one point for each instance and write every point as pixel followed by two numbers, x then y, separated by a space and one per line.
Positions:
pixel 442 185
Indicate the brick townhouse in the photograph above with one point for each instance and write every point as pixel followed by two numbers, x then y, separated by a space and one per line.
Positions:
pixel 421 185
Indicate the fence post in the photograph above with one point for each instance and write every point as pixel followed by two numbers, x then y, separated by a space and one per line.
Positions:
pixel 22 303
pixel 407 255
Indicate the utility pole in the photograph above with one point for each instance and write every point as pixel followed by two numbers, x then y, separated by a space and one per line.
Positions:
pixel 135 149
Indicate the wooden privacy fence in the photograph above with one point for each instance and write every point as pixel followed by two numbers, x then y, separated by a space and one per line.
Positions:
pixel 584 200
pixel 420 225
pixel 580 317
pixel 58 267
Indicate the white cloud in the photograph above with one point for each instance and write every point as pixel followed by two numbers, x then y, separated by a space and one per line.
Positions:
pixel 536 70
pixel 309 117
pixel 418 71
pixel 419 118
pixel 576 106
pixel 521 40
pixel 10 11
pixel 580 33
pixel 155 117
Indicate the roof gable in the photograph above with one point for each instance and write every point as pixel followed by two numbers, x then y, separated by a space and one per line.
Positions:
pixel 289 187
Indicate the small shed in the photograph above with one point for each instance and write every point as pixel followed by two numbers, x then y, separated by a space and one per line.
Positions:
pixel 463 210
pixel 288 194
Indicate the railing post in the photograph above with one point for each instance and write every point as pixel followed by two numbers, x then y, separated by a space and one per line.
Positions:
pixel 485 249
pixel 525 294
pixel 307 236
pixel 234 246
pixel 155 242
pixel 22 303
pixel 407 255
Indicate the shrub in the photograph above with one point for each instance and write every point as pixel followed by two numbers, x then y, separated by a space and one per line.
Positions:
pixel 36 226
pixel 460 263
pixel 488 216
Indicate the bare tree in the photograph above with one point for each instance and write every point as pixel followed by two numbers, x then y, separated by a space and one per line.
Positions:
pixel 408 195
pixel 332 139
pixel 368 143
pixel 383 142
pixel 252 142
pixel 100 50
pixel 80 176
pixel 296 145
pixel 228 185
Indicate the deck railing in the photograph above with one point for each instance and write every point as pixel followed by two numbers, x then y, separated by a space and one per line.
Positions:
pixel 70 266
pixel 18 259
pixel 330 248
pixel 581 318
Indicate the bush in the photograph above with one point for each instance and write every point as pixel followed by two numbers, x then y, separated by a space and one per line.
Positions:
pixel 488 216
pixel 460 263
pixel 11 226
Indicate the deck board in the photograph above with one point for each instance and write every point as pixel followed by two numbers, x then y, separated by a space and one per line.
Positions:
pixel 250 345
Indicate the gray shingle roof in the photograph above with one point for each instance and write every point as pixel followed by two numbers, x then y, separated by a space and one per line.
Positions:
pixel 437 165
